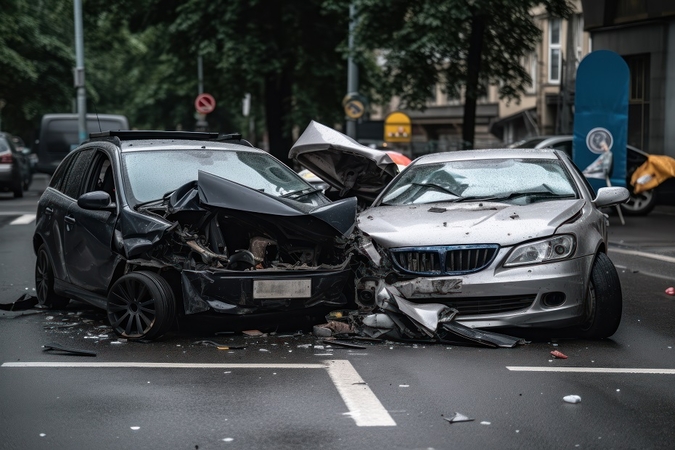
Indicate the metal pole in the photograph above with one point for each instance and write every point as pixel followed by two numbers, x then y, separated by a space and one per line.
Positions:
pixel 200 74
pixel 79 73
pixel 352 69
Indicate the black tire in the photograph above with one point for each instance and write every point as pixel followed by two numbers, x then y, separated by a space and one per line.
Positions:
pixel 17 188
pixel 603 303
pixel 639 204
pixel 141 305
pixel 44 282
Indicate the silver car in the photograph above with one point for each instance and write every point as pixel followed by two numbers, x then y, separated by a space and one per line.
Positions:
pixel 507 237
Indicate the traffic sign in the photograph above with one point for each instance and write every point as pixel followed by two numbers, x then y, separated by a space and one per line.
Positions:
pixel 397 128
pixel 354 105
pixel 205 103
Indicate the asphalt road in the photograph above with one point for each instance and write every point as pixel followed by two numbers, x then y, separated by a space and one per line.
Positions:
pixel 290 391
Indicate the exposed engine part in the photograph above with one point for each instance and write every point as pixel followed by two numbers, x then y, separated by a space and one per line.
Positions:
pixel 241 260
pixel 259 247
pixel 207 255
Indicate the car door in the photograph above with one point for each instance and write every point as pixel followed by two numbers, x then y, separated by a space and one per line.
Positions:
pixel 51 211
pixel 90 260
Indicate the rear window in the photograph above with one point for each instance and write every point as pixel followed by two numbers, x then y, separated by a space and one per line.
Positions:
pixel 62 135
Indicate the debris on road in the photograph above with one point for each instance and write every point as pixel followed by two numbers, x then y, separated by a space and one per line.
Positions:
pixel 26 301
pixel 67 350
pixel 670 291
pixel 253 333
pixel 572 399
pixel 559 355
pixel 219 346
pixel 343 344
pixel 397 319
pixel 458 417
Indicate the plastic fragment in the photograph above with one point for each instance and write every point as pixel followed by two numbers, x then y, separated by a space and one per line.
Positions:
pixel 458 417
pixel 252 333
pixel 670 291
pixel 559 355
pixel 67 350
pixel 572 399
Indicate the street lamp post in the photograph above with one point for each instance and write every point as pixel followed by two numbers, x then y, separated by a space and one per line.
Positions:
pixel 79 73
pixel 352 70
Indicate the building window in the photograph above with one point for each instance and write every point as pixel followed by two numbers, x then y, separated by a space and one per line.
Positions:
pixel 579 37
pixel 554 55
pixel 638 101
pixel 530 65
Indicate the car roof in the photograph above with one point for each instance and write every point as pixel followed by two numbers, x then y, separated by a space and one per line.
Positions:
pixel 496 153
pixel 143 140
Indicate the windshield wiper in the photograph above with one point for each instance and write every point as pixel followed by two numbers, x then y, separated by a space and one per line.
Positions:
pixel 152 202
pixel 436 186
pixel 294 195
pixel 536 194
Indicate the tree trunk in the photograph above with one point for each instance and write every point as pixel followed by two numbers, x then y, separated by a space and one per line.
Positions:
pixel 473 61
pixel 278 92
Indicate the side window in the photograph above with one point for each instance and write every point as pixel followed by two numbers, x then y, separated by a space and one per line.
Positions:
pixel 101 176
pixel 76 173
pixel 61 171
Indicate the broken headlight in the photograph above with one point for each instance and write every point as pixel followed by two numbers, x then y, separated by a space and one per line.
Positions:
pixel 546 250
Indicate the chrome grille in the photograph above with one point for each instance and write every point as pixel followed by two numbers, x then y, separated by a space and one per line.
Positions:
pixel 484 305
pixel 444 260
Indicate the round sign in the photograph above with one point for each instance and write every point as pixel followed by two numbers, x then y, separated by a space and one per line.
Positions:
pixel 599 140
pixel 354 109
pixel 205 103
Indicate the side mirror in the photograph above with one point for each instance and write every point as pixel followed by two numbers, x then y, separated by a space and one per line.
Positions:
pixel 610 196
pixel 97 201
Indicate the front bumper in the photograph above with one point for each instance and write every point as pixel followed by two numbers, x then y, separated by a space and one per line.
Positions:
pixel 508 297
pixel 234 293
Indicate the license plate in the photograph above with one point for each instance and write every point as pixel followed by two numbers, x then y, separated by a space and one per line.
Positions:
pixel 282 288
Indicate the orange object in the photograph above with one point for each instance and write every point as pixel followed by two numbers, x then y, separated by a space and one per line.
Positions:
pixel 652 172
pixel 398 158
pixel 559 355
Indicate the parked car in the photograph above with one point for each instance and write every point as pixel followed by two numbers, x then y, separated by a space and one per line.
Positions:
pixel 154 225
pixel 30 155
pixel 467 230
pixel 59 134
pixel 15 175
pixel 638 204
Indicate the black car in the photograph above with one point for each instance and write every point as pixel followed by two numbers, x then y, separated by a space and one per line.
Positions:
pixel 15 174
pixel 151 226
pixel 639 204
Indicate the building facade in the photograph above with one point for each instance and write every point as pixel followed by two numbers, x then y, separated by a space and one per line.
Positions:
pixel 643 33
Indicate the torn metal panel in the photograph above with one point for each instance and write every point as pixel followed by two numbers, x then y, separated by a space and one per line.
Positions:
pixel 349 167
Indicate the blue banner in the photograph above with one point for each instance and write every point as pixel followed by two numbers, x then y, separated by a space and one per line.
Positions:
pixel 601 118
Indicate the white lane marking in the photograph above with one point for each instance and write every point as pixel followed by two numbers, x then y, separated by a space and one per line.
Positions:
pixel 649 274
pixel 669 259
pixel 23 220
pixel 363 405
pixel 591 370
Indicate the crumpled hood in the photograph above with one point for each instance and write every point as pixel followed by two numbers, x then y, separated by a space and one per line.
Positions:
pixel 349 167
pixel 465 223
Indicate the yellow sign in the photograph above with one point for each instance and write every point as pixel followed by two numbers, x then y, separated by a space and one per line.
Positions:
pixel 354 109
pixel 397 128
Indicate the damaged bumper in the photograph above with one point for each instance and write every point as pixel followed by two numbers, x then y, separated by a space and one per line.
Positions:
pixel 547 295
pixel 260 292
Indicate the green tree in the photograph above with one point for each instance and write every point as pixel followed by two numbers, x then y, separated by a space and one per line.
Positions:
pixel 464 45
pixel 285 54
pixel 36 60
